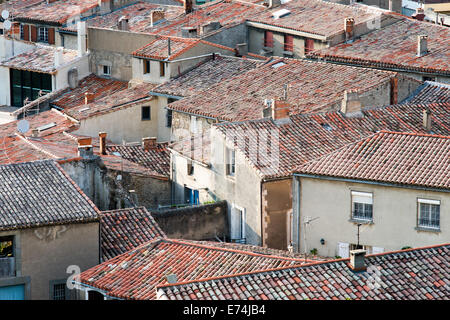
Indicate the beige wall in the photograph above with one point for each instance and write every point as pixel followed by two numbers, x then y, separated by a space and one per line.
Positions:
pixel 182 125
pixel 242 191
pixel 394 216
pixel 44 253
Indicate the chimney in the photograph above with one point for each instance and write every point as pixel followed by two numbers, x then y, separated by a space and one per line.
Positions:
pixel 102 139
pixel 81 38
pixel 210 26
pixel 422 45
pixel 85 149
pixel 357 260
pixel 59 56
pixel 149 143
pixel 280 109
pixel 189 32
pixel 188 6
pixel 241 49
pixel 390 5
pixel 350 103
pixel 123 24
pixel 35 133
pixel 349 24
pixel 88 97
pixel 426 119
pixel 419 15
pixel 273 3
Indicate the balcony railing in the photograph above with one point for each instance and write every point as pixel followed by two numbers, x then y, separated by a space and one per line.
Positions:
pixel 7 267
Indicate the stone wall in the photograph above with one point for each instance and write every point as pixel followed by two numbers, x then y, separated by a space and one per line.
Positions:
pixel 194 223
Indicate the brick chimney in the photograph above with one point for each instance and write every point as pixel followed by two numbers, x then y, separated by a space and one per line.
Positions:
pixel 156 16
pixel 149 143
pixel 351 102
pixel 357 260
pixel 102 139
pixel 426 114
pixel 88 97
pixel 280 109
pixel 349 24
pixel 122 24
pixel 422 48
pixel 85 149
pixel 188 6
pixel 85 141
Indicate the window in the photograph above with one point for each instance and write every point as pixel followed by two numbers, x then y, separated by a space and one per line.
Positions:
pixel 22 33
pixel 429 213
pixel 28 85
pixel 288 43
pixel 162 69
pixel 146 114
pixel 146 66
pixel 425 78
pixel 362 204
pixel 43 34
pixel 268 39
pixel 94 295
pixel 237 231
pixel 59 291
pixel 309 45
pixel 191 196
pixel 190 168
pixel 106 70
pixel 231 161
pixel 169 118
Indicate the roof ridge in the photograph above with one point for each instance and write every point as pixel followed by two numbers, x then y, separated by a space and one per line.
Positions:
pixel 114 211
pixel 286 268
pixel 420 134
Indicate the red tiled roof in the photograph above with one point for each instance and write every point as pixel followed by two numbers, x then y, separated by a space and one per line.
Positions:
pixel 136 273
pixel 14 6
pixel 316 16
pixel 304 138
pixel 124 229
pixel 390 157
pixel 313 87
pixel 138 17
pixel 414 274
pixel 206 74
pixel 156 160
pixel 116 101
pixel 57 11
pixel 40 59
pixel 159 48
pixel 395 46
pixel 99 87
pixel 431 92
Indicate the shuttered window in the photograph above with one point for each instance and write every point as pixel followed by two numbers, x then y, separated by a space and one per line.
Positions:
pixel 288 42
pixel 268 39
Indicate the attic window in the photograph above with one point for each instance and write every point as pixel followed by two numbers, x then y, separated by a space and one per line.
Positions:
pixel 280 13
pixel 47 126
pixel 278 64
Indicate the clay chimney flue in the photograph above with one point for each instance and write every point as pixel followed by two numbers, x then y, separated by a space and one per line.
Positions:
pixel 102 140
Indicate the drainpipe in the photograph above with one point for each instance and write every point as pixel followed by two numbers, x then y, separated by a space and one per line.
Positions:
pixel 261 209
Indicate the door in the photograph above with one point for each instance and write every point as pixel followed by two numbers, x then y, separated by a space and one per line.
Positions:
pixel 12 292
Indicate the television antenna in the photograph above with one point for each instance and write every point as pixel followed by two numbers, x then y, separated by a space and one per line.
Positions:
pixel 306 221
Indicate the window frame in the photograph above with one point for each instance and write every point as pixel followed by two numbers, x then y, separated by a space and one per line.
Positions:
pixel 230 158
pixel 162 69
pixel 268 39
pixel 54 283
pixel 288 43
pixel 149 113
pixel 43 38
pixel 361 194
pixel 147 67
pixel 108 68
pixel 430 203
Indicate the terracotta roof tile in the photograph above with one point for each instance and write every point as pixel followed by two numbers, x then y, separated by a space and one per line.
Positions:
pixel 385 278
pixel 395 46
pixel 313 87
pixel 391 157
pixel 430 92
pixel 136 273
pixel 99 87
pixel 125 229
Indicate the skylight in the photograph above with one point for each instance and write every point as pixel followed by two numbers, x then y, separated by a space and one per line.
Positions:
pixel 278 64
pixel 280 13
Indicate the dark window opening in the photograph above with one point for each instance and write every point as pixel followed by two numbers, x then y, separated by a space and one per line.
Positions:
pixel 146 115
pixel 146 66
pixel 169 119
pixel 28 85
pixel 94 295
pixel 6 247
pixel 162 69
pixel 59 291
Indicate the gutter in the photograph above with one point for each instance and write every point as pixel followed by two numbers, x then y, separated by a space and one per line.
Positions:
pixel 384 184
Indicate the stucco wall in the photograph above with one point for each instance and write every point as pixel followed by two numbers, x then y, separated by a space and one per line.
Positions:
pixel 46 252
pixel 181 125
pixel 394 216
pixel 194 223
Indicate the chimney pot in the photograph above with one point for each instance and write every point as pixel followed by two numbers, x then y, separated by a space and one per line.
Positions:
pixel 357 260
pixel 102 138
pixel 188 6
pixel 149 143
pixel 426 119
pixel 422 48
pixel 85 141
pixel 88 97
pixel 349 24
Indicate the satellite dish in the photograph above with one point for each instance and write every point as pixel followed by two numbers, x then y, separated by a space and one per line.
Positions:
pixel 7 25
pixel 5 14
pixel 23 126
